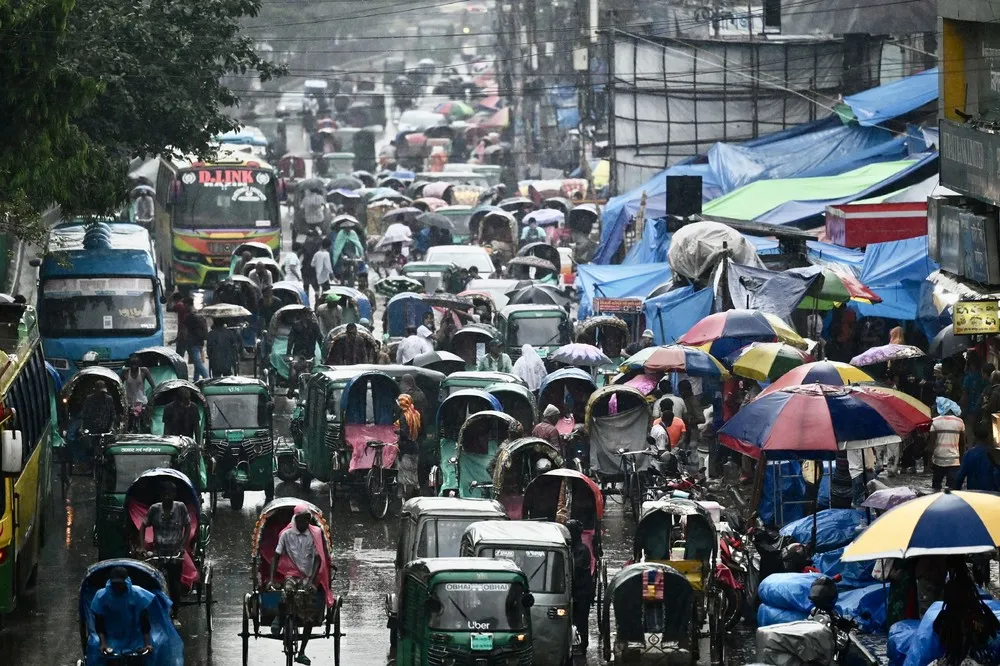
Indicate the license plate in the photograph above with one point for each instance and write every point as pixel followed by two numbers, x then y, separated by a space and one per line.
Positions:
pixel 482 641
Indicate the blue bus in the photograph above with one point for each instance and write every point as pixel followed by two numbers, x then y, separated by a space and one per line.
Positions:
pixel 99 295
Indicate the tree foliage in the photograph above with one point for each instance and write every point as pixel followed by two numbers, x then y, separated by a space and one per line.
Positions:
pixel 89 84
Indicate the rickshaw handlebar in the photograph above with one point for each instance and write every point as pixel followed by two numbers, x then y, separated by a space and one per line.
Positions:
pixel 645 452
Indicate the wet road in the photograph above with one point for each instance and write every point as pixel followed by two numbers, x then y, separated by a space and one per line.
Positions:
pixel 45 632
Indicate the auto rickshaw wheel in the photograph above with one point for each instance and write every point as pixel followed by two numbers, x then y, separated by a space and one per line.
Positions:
pixel 246 629
pixel 236 499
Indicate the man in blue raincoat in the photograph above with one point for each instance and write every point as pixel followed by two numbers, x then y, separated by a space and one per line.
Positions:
pixel 121 615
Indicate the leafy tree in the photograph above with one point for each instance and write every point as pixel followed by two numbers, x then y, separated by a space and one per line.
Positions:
pixel 92 83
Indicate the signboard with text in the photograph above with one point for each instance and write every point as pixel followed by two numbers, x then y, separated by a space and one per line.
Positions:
pixel 975 318
pixel 618 305
pixel 970 161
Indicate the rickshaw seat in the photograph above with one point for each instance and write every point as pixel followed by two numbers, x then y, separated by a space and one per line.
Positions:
pixel 565 425
pixel 691 569
pixel 514 505
pixel 359 434
pixel 189 572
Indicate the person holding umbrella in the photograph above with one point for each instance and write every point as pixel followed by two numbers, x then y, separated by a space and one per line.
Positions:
pixel 948 430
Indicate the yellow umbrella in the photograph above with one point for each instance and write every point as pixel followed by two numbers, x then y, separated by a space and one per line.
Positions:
pixel 785 332
pixel 948 523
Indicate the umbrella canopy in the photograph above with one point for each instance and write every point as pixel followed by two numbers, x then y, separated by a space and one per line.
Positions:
pixel 455 110
pixel 345 183
pixel 723 333
pixel 438 221
pixel 886 353
pixel 387 194
pixel 537 294
pixel 225 311
pixel 533 262
pixel 579 355
pixel 676 358
pixel 398 284
pixel 544 217
pixel 429 204
pixel 402 215
pixel 766 361
pixel 396 233
pixel 946 344
pixel 315 184
pixel 927 526
pixel 885 499
pixel 836 287
pixel 832 373
pixel 441 361
pixel 816 421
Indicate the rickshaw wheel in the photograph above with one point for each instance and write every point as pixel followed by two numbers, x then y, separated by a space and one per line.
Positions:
pixel 289 640
pixel 236 499
pixel 208 599
pixel 600 596
pixel 378 496
pixel 605 627
pixel 305 479
pixel 214 500
pixel 269 490
pixel 336 635
pixel 246 631
pixel 331 490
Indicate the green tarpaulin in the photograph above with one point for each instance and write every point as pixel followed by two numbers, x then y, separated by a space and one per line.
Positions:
pixel 756 199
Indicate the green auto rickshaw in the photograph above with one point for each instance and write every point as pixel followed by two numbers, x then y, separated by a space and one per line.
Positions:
pixel 124 459
pixel 544 327
pixel 239 438
pixel 464 610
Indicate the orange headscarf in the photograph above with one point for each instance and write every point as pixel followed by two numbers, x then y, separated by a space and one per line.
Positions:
pixel 410 413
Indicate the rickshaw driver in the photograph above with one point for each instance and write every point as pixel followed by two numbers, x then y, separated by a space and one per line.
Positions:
pixel 298 556
pixel 302 341
pixel 546 429
pixel 97 413
pixel 121 614
pixel 355 351
pixel 245 258
pixel 135 378
pixel 181 417
pixel 262 276
pixel 171 525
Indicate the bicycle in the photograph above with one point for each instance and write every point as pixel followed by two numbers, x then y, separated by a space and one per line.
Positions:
pixel 632 487
pixel 379 484
pixel 89 446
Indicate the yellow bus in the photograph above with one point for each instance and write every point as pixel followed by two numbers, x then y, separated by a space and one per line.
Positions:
pixel 25 452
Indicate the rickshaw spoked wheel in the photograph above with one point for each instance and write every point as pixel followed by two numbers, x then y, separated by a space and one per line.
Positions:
pixel 306 480
pixel 236 498
pixel 246 629
pixel 336 635
pixel 289 639
pixel 635 495
pixel 605 630
pixel 378 495
pixel 208 600
pixel 214 500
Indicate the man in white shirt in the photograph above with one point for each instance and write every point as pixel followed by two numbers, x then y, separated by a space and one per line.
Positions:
pixel 323 266
pixel 291 265
pixel 412 346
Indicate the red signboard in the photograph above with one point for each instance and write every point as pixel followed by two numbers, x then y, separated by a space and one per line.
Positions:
pixel 858 225
pixel 617 305
pixel 225 177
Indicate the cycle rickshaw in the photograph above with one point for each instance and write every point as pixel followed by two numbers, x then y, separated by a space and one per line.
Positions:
pixel 516 400
pixel 163 363
pixel 244 292
pixel 454 410
pixel 288 601
pixel 617 425
pixel 167 642
pixel 481 436
pixel 274 362
pixel 256 249
pixel 80 445
pixel 517 464
pixel 164 394
pixel 334 349
pixel 569 389
pixel 195 570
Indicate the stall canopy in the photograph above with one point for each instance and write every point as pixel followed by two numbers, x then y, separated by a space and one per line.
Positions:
pixel 593 281
pixel 877 105
pixel 827 253
pixel 674 313
pixel 897 272
pixel 798 201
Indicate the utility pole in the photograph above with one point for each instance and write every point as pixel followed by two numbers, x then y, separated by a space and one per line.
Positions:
pixel 506 38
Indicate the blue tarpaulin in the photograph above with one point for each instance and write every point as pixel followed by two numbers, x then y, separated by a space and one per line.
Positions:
pixel 924 646
pixel 895 99
pixel 593 281
pixel 896 271
pixel 672 314
pixel 835 528
pixel 774 292
pixel 822 253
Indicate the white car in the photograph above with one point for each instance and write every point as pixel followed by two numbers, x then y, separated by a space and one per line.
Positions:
pixel 463 256
pixel 416 120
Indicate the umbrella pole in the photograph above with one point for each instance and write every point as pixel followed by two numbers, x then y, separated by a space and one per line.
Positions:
pixel 864 483
pixel 758 485
pixel 815 503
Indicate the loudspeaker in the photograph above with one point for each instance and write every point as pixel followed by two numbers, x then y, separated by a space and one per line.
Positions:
pixel 683 195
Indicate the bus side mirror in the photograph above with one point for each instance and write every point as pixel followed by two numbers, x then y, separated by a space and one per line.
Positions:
pixel 11 457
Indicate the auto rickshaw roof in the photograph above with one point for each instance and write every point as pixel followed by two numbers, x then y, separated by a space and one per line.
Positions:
pixel 453 506
pixel 516 533
pixel 480 378
pixel 145 440
pixel 331 375
pixel 425 569
pixel 220 385
pixel 529 310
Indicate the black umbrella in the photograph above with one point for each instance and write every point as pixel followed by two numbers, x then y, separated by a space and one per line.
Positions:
pixel 398 284
pixel 538 294
pixel 441 361
pixel 317 184
pixel 478 332
pixel 438 221
pixel 345 183
pixel 946 344
pixel 402 215
pixel 533 262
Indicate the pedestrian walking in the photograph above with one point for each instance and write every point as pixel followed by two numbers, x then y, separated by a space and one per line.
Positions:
pixel 197 336
pixel 948 430
pixel 223 350
pixel 323 267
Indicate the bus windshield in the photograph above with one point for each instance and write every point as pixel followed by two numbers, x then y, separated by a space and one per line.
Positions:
pixel 227 199
pixel 479 607
pixel 112 306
